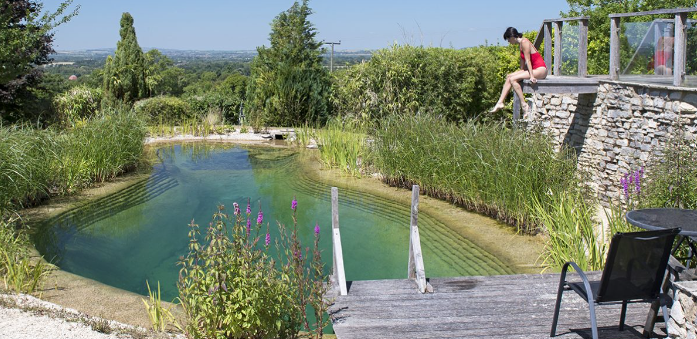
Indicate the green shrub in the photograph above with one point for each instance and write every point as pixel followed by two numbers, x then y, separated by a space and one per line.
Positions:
pixel 455 84
pixel 163 110
pixel 77 104
pixel 231 287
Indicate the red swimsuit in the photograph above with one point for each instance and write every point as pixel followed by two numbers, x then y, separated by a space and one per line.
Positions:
pixel 535 59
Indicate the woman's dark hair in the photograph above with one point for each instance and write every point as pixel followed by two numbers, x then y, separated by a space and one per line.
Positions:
pixel 511 32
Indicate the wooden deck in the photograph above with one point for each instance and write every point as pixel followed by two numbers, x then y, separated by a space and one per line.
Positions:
pixel 516 306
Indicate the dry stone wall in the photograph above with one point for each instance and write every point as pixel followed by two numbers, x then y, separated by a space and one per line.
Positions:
pixel 616 130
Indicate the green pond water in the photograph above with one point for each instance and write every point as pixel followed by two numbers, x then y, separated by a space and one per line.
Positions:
pixel 140 232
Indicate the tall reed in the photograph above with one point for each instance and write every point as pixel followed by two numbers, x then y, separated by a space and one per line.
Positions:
pixel 342 144
pixel 486 168
pixel 36 163
pixel 26 155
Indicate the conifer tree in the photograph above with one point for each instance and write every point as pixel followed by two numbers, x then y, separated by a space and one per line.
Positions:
pixel 288 84
pixel 124 74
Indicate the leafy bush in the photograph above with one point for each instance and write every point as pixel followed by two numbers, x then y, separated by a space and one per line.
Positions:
pixel 455 84
pixel 76 104
pixel 163 109
pixel 231 287
pixel 485 167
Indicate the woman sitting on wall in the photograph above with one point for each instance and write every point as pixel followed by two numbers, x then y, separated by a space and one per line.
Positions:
pixel 532 67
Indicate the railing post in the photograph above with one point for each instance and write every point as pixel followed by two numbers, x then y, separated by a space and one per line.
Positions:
pixel 680 57
pixel 583 47
pixel 416 269
pixel 614 48
pixel 338 275
pixel 548 44
pixel 557 47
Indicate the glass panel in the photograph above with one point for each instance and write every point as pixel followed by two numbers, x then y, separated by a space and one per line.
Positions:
pixel 569 50
pixel 691 65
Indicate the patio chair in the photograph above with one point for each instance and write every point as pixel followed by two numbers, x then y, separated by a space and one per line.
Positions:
pixel 634 271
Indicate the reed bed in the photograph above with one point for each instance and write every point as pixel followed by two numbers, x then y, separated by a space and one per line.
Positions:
pixel 37 163
pixel 342 145
pixel 486 168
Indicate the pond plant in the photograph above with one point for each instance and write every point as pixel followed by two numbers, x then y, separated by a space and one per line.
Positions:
pixel 232 286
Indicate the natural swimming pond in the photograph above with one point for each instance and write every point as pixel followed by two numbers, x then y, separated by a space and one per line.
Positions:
pixel 140 232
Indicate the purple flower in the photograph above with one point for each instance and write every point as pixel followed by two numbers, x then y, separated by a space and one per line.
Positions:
pixel 637 181
pixel 237 208
pixel 260 217
pixel 267 241
pixel 624 183
pixel 249 207
pixel 249 226
pixel 299 254
pixel 317 229
pixel 294 204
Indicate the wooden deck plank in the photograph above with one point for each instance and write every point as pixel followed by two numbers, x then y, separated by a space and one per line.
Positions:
pixel 517 306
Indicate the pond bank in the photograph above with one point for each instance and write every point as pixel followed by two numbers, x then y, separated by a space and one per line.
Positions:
pixel 96 299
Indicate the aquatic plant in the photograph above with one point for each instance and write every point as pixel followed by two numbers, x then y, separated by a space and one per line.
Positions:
pixel 231 286
pixel 159 315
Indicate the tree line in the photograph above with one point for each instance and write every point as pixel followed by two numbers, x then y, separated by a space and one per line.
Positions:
pixel 285 84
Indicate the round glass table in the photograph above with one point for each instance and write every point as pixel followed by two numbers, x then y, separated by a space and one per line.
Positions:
pixel 661 218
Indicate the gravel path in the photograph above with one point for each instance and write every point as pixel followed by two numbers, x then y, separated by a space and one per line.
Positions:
pixel 26 317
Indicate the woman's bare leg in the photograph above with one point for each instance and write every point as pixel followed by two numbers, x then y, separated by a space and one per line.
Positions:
pixel 507 88
pixel 539 73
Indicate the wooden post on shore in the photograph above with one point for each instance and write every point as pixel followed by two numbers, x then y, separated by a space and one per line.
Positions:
pixel 416 269
pixel 338 275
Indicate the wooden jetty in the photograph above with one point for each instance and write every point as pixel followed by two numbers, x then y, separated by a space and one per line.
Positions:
pixel 518 306
pixel 506 306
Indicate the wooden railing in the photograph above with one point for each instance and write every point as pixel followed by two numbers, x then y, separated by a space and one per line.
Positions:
pixel 338 278
pixel 545 34
pixel 415 269
pixel 679 48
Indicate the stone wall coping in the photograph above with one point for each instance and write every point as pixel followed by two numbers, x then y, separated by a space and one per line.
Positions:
pixel 647 85
pixel 687 287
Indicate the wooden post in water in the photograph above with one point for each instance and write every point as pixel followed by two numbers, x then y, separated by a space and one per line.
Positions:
pixel 338 275
pixel 416 269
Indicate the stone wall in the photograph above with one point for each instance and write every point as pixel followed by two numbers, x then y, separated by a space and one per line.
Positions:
pixel 683 312
pixel 616 130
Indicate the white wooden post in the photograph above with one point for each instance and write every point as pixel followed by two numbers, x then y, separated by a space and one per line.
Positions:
pixel 338 275
pixel 416 269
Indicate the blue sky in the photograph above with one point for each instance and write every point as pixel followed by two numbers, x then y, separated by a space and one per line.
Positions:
pixel 244 25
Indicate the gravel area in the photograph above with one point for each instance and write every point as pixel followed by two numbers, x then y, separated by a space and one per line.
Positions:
pixel 26 317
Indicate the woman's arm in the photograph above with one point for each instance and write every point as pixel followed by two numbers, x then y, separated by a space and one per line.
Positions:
pixel 526 47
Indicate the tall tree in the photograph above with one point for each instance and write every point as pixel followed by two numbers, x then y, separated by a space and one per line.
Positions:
pixel 26 40
pixel 599 23
pixel 124 74
pixel 288 84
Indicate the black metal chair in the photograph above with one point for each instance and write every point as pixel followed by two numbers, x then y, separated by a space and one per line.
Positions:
pixel 634 271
